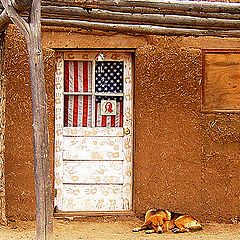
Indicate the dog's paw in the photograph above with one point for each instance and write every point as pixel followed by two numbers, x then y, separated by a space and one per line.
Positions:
pixel 175 230
pixel 149 231
pixel 136 230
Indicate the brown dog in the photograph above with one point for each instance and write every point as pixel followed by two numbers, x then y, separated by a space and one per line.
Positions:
pixel 161 221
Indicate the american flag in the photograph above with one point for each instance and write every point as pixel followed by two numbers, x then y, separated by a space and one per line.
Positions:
pixel 109 79
pixel 78 109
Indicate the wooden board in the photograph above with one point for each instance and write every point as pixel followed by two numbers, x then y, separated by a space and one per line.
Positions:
pixel 85 148
pixel 221 88
pixel 93 172
pixel 92 197
pixel 91 132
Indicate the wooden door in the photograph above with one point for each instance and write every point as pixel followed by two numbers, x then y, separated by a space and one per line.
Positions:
pixel 93 131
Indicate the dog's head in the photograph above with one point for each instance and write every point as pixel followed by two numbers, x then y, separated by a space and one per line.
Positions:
pixel 156 223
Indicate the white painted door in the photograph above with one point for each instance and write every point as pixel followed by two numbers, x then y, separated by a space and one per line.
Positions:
pixel 93 131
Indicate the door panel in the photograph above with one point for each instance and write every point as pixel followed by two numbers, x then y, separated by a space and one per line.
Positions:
pixel 93 172
pixel 93 148
pixel 93 131
pixel 93 197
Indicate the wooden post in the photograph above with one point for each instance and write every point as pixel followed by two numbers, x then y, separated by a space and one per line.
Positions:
pixel 40 128
pixel 2 135
pixel 43 189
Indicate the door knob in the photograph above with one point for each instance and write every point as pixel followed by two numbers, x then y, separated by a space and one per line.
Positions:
pixel 126 131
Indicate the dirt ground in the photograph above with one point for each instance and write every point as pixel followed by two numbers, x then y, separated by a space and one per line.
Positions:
pixel 113 228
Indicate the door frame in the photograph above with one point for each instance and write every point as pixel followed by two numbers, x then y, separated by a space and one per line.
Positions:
pixel 59 129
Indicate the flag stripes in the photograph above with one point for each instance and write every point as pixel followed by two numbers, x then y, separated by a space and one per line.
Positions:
pixel 77 109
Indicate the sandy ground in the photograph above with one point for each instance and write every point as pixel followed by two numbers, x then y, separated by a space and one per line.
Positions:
pixel 120 229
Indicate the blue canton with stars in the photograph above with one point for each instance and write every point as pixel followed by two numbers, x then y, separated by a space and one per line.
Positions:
pixel 109 77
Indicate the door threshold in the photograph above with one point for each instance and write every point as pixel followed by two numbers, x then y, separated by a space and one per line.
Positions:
pixel 85 214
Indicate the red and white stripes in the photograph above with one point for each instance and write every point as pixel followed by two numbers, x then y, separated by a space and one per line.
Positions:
pixel 77 108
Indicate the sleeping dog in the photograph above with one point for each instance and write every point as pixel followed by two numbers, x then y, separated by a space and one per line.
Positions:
pixel 163 221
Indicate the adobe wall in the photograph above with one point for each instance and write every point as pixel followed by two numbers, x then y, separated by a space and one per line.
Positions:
pixel 182 161
pixel 20 196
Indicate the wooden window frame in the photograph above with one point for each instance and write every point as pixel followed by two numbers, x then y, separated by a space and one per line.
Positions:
pixel 204 108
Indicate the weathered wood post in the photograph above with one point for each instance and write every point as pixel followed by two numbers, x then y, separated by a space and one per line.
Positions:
pixel 2 134
pixel 32 33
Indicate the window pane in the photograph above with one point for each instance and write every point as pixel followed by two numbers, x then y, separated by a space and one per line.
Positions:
pixel 77 76
pixel 77 111
pixel 109 77
pixel 113 105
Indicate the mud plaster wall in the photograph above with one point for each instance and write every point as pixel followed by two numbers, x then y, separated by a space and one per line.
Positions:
pixel 20 195
pixel 184 160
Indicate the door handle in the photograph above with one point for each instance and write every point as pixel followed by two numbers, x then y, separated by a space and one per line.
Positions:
pixel 126 131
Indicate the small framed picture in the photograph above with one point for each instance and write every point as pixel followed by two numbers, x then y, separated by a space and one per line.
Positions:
pixel 108 107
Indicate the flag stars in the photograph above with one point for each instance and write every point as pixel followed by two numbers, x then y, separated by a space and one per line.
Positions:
pixel 110 78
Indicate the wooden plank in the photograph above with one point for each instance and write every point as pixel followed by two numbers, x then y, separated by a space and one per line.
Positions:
pixel 90 148
pixel 221 89
pixel 92 198
pixel 91 172
pixel 93 132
